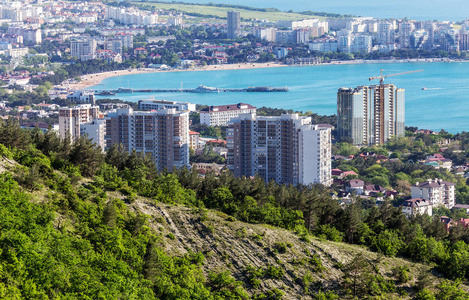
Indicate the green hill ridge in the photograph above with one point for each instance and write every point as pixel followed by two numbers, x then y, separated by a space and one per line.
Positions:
pixel 79 224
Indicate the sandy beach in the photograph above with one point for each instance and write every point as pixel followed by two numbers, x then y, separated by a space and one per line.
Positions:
pixel 94 79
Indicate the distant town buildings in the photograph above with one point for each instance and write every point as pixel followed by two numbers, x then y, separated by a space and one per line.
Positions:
pixel 233 24
pixel 83 48
pixel 220 115
pixel 370 115
pixel 130 16
pixel 287 149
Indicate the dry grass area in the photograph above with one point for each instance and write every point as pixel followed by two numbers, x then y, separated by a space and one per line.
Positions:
pixel 232 245
pixel 220 12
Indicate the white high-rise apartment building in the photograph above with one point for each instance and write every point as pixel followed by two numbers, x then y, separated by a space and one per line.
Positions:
pixel 386 34
pixel 405 32
pixel 344 40
pixel 314 151
pixel 70 119
pixel 95 131
pixel 287 149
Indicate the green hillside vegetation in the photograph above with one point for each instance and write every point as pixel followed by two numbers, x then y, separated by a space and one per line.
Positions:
pixel 80 224
pixel 220 11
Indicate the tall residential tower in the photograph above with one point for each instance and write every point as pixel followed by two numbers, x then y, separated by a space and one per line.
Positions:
pixel 370 115
pixel 164 134
pixel 233 24
pixel 287 149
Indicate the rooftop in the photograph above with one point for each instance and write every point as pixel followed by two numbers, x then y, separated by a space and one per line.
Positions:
pixel 417 202
pixel 229 107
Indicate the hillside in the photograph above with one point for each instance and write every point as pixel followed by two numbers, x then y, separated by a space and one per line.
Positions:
pixel 220 11
pixel 77 223
pixel 233 245
pixel 264 260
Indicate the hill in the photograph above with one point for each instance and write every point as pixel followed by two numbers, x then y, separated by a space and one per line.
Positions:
pixel 81 242
pixel 220 11
pixel 77 223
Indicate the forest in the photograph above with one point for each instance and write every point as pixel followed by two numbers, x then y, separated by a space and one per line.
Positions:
pixel 75 242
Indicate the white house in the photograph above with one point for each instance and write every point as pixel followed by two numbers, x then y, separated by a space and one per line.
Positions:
pixel 416 206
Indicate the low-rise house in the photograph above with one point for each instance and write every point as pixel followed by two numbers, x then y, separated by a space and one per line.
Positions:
pixel 336 172
pixel 203 168
pixel 463 222
pixel 356 185
pixel 416 206
pixel 138 51
pixel 48 107
pixel 447 222
pixel 44 127
pixel 425 131
pixel 374 189
pixel 462 206
pixel 438 161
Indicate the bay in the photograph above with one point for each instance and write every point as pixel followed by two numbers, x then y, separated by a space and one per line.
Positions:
pixel 443 105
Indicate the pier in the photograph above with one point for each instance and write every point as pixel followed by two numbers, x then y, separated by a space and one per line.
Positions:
pixel 199 89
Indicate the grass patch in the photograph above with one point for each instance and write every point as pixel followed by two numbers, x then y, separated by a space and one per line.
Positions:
pixel 220 12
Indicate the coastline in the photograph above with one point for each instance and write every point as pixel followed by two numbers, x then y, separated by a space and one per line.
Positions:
pixel 94 79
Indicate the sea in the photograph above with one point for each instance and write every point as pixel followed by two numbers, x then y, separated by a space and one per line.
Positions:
pixel 436 98
pixel 421 10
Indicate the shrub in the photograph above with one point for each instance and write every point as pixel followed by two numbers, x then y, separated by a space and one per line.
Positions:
pixel 402 274
pixel 280 247
pixel 274 272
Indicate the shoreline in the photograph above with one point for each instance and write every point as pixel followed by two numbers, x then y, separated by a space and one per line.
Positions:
pixel 96 78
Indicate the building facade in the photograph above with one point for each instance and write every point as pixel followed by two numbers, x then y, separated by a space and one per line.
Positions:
pixel 222 114
pixel 437 191
pixel 233 24
pixel 371 115
pixel 287 149
pixel 85 96
pixel 83 48
pixel 95 131
pixel 70 119
pixel 151 104
pixel 163 134
pixel 417 206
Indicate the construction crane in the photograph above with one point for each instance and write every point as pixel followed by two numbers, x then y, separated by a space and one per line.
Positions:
pixel 381 77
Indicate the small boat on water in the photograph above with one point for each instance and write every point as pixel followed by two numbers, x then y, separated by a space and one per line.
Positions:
pixel 424 88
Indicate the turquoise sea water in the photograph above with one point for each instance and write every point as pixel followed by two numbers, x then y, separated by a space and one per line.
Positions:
pixel 422 10
pixel 444 104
